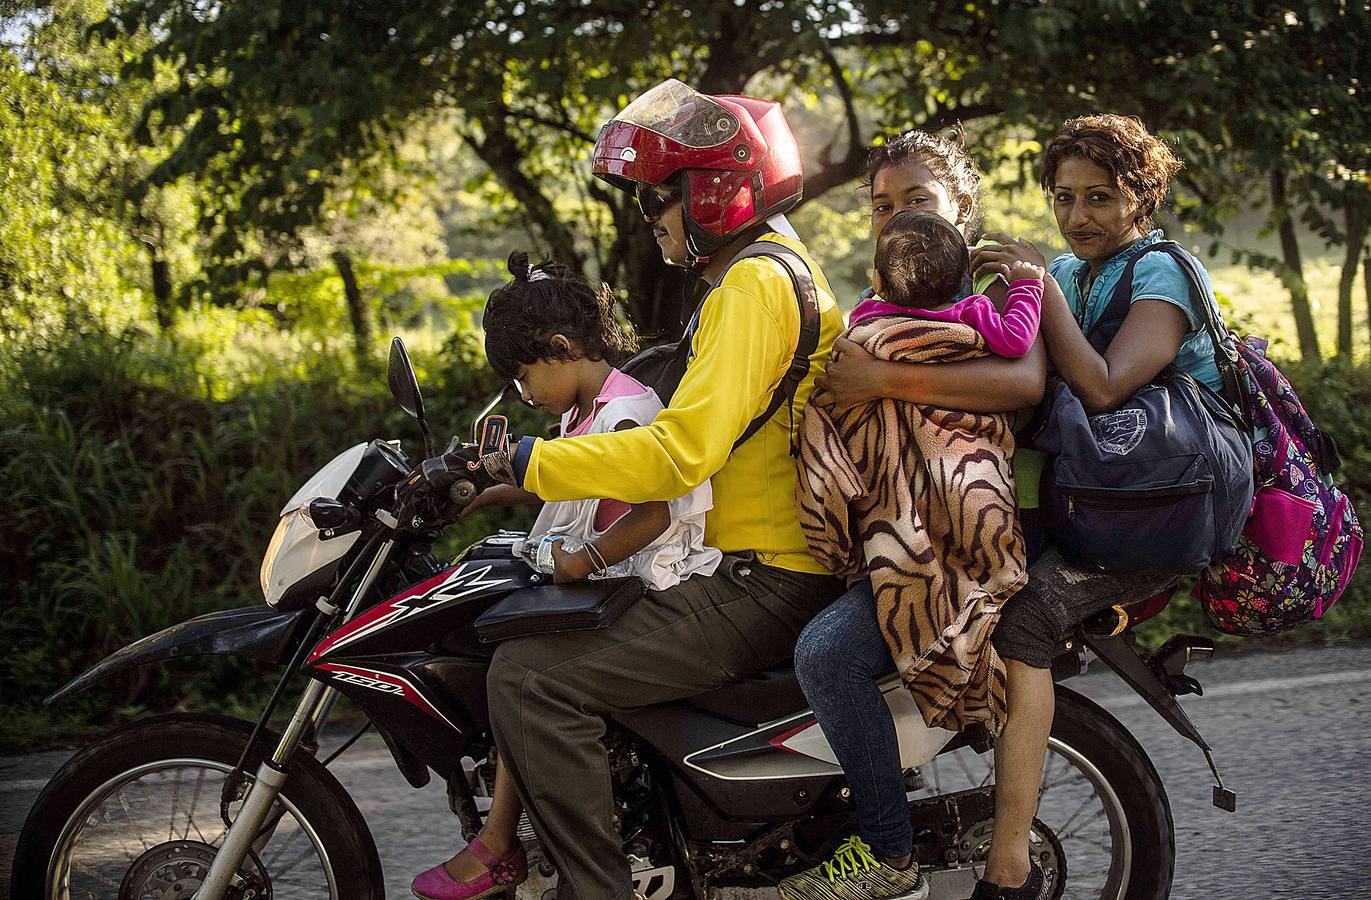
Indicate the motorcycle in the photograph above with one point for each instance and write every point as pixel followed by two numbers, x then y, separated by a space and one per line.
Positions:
pixel 720 793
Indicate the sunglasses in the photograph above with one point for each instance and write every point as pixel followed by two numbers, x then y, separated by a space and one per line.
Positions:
pixel 653 200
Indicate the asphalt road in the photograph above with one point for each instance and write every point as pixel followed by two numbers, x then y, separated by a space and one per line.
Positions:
pixel 1291 731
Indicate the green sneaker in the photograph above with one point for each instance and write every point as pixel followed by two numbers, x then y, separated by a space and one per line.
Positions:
pixel 854 874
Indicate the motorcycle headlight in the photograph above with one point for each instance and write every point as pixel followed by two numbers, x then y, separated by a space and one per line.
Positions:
pixel 277 539
pixel 300 562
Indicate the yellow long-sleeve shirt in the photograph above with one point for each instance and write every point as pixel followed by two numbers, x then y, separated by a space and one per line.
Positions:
pixel 749 327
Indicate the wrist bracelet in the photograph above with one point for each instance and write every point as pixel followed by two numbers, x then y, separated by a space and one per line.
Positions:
pixel 499 466
pixel 596 557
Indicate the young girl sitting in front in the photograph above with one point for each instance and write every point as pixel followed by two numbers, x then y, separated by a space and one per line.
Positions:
pixel 550 332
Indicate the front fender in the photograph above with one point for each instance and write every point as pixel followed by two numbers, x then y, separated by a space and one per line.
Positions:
pixel 255 632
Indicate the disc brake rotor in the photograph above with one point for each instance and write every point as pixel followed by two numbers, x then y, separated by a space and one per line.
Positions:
pixel 973 844
pixel 176 869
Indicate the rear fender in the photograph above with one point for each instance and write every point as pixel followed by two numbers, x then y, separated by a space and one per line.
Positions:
pixel 254 632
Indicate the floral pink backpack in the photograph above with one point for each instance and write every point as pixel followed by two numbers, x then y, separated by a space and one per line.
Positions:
pixel 1301 544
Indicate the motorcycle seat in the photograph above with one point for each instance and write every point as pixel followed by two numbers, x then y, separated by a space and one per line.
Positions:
pixel 759 697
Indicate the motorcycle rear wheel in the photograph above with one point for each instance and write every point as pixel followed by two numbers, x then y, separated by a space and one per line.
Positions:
pixel 69 837
pixel 1100 796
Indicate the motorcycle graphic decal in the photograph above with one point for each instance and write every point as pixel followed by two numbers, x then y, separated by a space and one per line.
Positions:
pixel 386 683
pixel 796 747
pixel 438 591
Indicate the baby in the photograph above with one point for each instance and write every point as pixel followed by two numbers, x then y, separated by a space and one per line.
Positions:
pixel 921 265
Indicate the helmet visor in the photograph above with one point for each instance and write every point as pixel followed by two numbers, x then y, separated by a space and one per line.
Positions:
pixel 681 114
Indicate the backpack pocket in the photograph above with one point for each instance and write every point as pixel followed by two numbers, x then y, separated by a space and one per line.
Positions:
pixel 1135 518
pixel 1281 524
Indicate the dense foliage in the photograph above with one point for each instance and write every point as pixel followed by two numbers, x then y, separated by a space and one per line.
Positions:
pixel 278 104
pixel 213 215
pixel 135 500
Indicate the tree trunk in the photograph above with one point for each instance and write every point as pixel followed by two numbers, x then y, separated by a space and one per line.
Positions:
pixel 161 287
pixel 357 314
pixel 1356 235
pixel 501 152
pixel 1366 284
pixel 1293 276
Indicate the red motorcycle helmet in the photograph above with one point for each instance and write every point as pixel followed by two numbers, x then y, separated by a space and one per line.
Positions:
pixel 734 159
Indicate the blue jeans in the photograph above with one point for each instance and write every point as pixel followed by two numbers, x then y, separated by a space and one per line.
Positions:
pixel 840 655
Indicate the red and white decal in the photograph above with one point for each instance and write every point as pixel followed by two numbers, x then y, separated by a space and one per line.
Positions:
pixel 438 591
pixel 798 742
pixel 386 683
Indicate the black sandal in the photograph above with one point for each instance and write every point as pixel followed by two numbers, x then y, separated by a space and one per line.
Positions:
pixel 1035 887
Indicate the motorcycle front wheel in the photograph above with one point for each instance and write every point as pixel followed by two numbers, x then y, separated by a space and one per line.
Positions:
pixel 137 815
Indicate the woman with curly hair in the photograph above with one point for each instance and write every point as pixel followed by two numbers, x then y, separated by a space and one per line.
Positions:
pixel 1105 177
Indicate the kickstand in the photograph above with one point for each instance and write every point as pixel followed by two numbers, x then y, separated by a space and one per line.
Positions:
pixel 1224 799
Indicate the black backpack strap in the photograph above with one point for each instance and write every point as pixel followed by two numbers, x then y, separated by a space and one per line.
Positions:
pixel 1102 333
pixel 807 296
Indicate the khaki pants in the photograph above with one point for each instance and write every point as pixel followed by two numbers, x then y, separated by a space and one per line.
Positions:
pixel 549 695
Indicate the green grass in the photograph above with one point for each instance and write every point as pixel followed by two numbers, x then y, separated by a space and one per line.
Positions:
pixel 1259 304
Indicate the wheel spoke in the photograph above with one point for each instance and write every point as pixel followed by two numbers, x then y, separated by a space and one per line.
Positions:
pixel 966 770
pixel 158 803
pixel 1099 814
pixel 98 876
pixel 309 850
pixel 194 803
pixel 1065 779
pixel 128 813
pixel 1071 819
pixel 175 796
pixel 1092 841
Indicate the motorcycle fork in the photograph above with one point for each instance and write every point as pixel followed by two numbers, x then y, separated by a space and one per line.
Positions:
pixel 247 832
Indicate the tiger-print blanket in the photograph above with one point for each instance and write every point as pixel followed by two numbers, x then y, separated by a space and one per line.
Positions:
pixel 921 499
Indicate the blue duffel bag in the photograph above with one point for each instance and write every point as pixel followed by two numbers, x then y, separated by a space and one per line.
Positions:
pixel 1162 484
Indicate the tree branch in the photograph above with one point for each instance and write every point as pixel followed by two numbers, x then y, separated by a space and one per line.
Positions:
pixel 946 117
pixel 502 155
pixel 566 126
pixel 831 174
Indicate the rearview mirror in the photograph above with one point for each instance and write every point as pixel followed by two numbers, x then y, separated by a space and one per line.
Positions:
pixel 404 387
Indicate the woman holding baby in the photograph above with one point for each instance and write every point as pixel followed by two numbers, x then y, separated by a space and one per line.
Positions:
pixel 958 338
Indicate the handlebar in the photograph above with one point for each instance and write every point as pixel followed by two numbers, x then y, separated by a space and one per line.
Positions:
pixel 462 493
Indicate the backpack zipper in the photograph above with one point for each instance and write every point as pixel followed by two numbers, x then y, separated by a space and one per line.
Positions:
pixel 1108 499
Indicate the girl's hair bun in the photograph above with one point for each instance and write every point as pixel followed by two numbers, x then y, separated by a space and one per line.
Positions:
pixel 518 265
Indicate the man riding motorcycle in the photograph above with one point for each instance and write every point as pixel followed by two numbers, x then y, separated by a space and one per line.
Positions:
pixel 713 175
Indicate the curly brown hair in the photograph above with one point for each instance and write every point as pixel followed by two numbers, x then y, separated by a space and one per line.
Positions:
pixel 522 316
pixel 1141 164
pixel 945 158
pixel 922 259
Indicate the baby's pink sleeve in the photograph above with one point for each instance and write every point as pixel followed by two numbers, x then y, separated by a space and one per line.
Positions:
pixel 1010 333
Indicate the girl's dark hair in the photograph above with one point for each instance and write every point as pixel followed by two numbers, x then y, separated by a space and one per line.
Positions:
pixel 922 259
pixel 1141 165
pixel 521 317
pixel 946 160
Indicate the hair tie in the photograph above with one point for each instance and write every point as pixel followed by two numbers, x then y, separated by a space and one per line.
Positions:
pixel 517 264
pixel 538 275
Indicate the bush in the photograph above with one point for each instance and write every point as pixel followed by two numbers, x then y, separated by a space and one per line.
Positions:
pixel 133 501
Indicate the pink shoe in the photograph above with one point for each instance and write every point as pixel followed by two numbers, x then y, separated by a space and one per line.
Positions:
pixel 500 876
